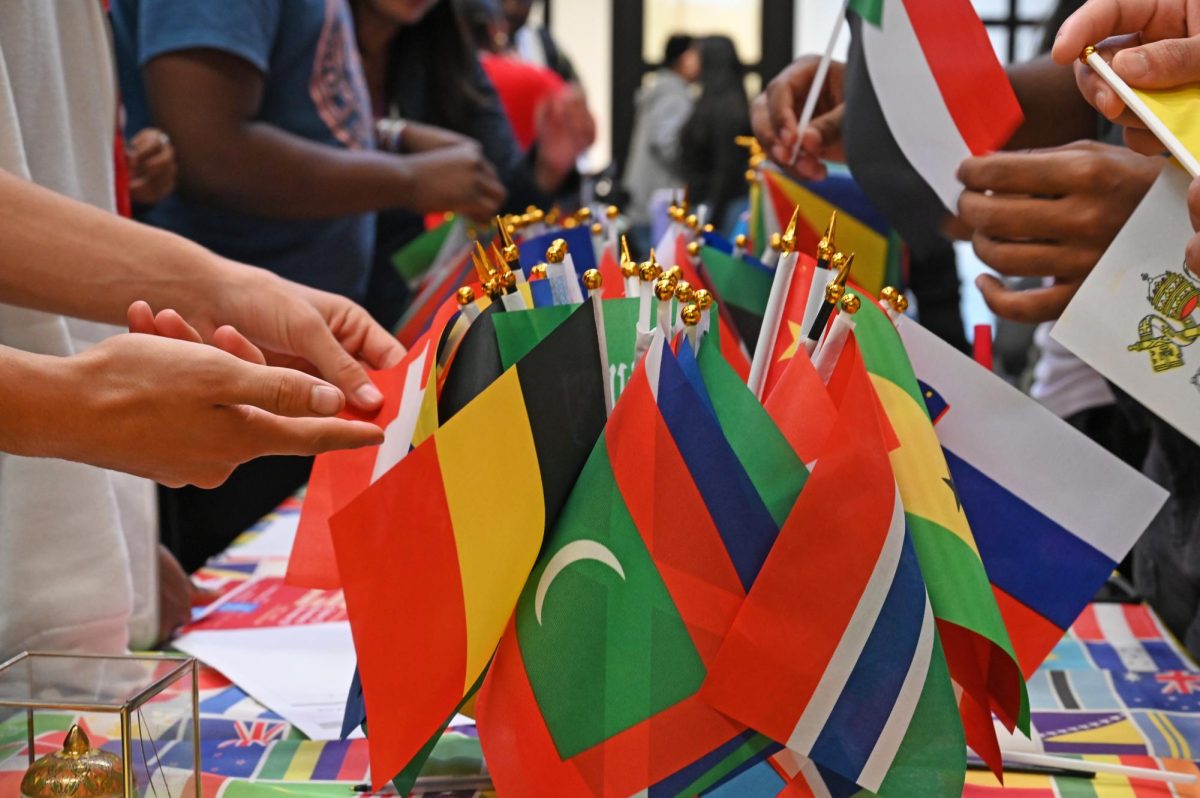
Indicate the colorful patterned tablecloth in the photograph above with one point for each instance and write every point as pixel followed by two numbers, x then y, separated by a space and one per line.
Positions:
pixel 1117 688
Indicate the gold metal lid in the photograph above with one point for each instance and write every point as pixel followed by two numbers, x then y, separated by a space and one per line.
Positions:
pixel 77 771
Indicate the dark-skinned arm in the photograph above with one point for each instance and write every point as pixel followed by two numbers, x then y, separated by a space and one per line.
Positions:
pixel 207 101
pixel 1055 112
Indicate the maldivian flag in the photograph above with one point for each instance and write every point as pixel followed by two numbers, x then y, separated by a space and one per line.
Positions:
pixel 408 416
pixel 1052 512
pixel 924 92
pixel 593 688
pixel 978 649
pixel 835 652
pixel 879 254
pixel 459 523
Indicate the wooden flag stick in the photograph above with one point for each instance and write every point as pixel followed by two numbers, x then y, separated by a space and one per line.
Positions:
pixel 1143 112
pixel 814 92
pixel 1080 766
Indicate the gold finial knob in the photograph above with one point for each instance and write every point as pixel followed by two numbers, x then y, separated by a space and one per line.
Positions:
pixel 888 294
pixel 692 221
pixel 851 303
pixel 684 291
pixel 78 770
pixel 570 223
pixel 597 229
pixel 708 228
pixel 557 252
pixel 693 248
pixel 901 303
pixel 740 241
pixel 1088 52
pixel 629 269
pixel 538 272
pixel 592 279
pixel 583 214
pixel 690 314
pixel 777 242
pixel 663 289
pixel 509 250
pixel 465 296
pixel 676 213
pixel 751 176
pixel 674 274
pixel 612 211
pixel 703 298
pixel 647 273
pixel 834 293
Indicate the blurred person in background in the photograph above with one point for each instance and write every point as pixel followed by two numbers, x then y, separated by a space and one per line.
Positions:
pixel 663 107
pixel 429 91
pixel 534 44
pixel 714 166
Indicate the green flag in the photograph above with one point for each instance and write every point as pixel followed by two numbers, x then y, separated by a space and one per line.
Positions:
pixel 870 10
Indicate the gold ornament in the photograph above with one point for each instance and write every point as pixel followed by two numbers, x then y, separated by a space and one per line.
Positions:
pixel 538 272
pixel 703 298
pixel 557 252
pixel 692 221
pixel 708 228
pixel 583 214
pixel 676 213
pixel 834 293
pixel 740 241
pixel 570 223
pixel 629 269
pixel 612 212
pixel 787 242
pixel 663 289
pixel 510 253
pixel 693 248
pixel 647 272
pixel 901 303
pixel 1088 52
pixel 77 771
pixel 825 245
pixel 851 304
pixel 674 274
pixel 465 296
pixel 592 279
pixel 690 314
pixel 888 294
pixel 597 229
pixel 684 291
pixel 751 176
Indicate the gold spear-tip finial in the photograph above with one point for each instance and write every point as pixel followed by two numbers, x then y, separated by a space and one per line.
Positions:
pixel 465 296
pixel 690 314
pixel 625 256
pixel 557 252
pixel 509 252
pixel 663 289
pixel 592 279
pixel 703 298
pixel 483 268
pixel 851 303
pixel 612 211
pixel 629 269
pixel 787 242
pixel 843 268
pixel 684 291
pixel 825 245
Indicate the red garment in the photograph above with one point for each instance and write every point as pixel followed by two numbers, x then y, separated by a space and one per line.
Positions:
pixel 522 88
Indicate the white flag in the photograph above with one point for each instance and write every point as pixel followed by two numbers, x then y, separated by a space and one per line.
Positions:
pixel 1135 318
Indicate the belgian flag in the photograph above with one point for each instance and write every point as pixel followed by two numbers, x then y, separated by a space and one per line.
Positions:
pixel 434 554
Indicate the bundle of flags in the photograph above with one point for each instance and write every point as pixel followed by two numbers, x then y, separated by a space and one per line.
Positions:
pixel 652 560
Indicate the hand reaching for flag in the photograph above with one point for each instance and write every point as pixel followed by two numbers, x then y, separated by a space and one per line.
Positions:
pixel 775 113
pixel 1048 213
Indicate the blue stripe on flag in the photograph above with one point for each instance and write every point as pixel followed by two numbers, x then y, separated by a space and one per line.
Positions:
pixel 218 704
pixel 691 370
pixel 760 780
pixel 543 297
pixel 1024 552
pixel 741 518
pixel 867 700
pixel 676 783
pixel 329 761
pixel 1165 657
pixel 843 192
pixel 1105 657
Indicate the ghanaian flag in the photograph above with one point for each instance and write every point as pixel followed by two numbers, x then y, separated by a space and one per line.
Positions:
pixel 435 553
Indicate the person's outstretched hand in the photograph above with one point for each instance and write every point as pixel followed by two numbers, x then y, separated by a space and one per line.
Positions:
pixel 1151 44
pixel 181 413
pixel 293 326
pixel 775 115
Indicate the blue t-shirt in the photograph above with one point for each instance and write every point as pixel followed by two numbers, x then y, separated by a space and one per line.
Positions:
pixel 313 88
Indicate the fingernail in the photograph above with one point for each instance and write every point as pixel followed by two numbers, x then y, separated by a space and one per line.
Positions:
pixel 368 395
pixel 979 281
pixel 1134 65
pixel 325 401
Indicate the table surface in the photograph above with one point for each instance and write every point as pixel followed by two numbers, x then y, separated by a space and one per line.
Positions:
pixel 1117 688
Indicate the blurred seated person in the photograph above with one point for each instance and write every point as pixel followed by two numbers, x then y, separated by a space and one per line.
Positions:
pixel 429 92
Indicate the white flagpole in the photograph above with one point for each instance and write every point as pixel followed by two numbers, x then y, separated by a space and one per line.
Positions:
pixel 814 93
pixel 595 283
pixel 780 286
pixel 1143 112
pixel 1066 763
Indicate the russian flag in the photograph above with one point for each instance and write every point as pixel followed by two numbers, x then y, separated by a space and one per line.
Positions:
pixel 1052 512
